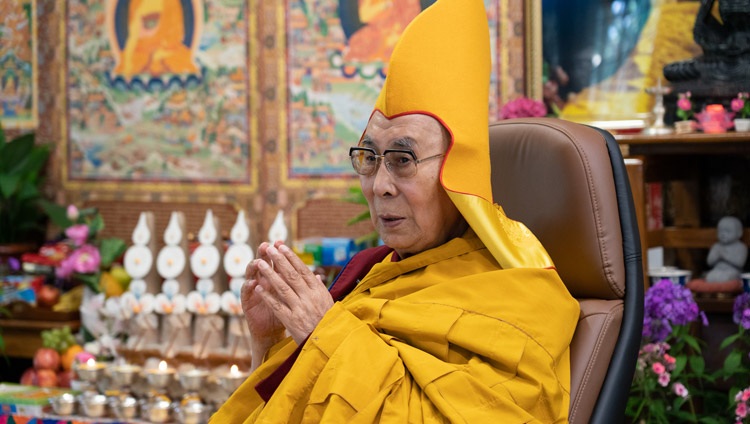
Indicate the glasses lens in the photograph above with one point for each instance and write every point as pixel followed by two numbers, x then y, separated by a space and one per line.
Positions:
pixel 401 164
pixel 363 161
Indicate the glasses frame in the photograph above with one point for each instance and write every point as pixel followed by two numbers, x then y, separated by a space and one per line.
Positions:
pixel 388 165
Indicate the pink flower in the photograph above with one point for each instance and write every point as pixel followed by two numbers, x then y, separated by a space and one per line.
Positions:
pixel 523 107
pixel 745 395
pixel 72 212
pixel 737 104
pixel 65 268
pixel 658 368
pixel 669 359
pixel 741 410
pixel 684 103
pixel 664 379
pixel 680 390
pixel 78 233
pixel 86 259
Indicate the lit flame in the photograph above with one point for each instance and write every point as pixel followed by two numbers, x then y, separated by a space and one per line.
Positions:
pixel 163 366
pixel 234 371
pixel 91 363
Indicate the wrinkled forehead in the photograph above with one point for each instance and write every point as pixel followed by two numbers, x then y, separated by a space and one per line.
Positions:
pixel 410 132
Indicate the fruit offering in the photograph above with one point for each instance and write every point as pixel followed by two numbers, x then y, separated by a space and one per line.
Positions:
pixel 53 362
pixel 59 339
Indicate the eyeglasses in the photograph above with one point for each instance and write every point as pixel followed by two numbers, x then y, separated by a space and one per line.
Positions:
pixel 400 163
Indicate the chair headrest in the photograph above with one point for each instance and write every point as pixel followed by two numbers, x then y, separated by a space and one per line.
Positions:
pixel 555 176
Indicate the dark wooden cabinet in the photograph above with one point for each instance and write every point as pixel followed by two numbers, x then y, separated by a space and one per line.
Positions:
pixel 703 176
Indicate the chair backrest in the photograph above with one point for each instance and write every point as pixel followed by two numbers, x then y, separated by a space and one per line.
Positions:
pixel 567 182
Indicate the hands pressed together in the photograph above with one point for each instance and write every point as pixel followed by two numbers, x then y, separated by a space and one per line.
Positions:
pixel 281 293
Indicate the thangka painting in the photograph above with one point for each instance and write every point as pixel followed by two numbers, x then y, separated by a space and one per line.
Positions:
pixel 338 51
pixel 158 91
pixel 18 64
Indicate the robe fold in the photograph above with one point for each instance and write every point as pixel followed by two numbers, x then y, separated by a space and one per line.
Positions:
pixel 442 336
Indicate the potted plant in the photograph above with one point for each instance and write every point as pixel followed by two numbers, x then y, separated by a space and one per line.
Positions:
pixel 741 105
pixel 684 113
pixel 22 220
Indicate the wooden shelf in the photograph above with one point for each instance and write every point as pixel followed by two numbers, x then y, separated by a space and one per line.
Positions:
pixel 677 158
pixel 23 337
pixel 695 143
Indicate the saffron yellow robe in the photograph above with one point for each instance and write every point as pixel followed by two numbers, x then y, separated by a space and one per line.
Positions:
pixel 442 336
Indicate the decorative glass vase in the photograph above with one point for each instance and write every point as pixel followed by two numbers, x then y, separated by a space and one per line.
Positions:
pixel 742 124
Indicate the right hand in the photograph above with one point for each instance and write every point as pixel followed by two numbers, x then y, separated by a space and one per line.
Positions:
pixel 265 328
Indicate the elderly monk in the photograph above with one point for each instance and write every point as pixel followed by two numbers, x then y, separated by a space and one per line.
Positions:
pixel 460 316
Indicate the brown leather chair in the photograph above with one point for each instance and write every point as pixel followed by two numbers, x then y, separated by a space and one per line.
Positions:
pixel 567 182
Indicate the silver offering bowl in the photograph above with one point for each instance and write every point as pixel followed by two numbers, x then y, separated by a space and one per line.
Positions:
pixel 123 376
pixel 160 378
pixel 93 405
pixel 89 372
pixel 193 380
pixel 156 410
pixel 64 404
pixel 124 407
pixel 192 413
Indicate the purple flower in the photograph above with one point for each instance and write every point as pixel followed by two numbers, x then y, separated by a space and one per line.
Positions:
pixel 86 259
pixel 78 233
pixel 741 310
pixel 666 305
pixel 523 107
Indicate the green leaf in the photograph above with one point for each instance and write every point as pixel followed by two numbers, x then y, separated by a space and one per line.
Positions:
pixel 9 185
pixel 729 340
pixel 27 191
pixel 109 250
pixel 34 163
pixel 732 363
pixel 96 225
pixel 15 154
pixel 693 342
pixel 697 364
pixel 679 364
pixel 90 280
pixel 58 214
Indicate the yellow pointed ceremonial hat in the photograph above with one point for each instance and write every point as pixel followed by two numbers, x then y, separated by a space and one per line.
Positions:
pixel 441 67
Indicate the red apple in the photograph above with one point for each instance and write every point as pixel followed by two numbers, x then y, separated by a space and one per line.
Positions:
pixel 63 378
pixel 28 378
pixel 47 296
pixel 46 378
pixel 46 359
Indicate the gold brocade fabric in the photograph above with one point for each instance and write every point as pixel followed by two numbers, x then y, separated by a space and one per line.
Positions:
pixel 442 336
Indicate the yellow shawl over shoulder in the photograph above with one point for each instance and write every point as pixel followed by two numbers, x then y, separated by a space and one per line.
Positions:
pixel 442 336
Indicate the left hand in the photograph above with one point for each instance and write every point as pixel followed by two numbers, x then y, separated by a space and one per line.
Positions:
pixel 297 297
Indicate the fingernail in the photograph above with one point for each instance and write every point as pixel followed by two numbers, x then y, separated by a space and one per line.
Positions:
pixel 283 248
pixel 272 250
pixel 263 265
